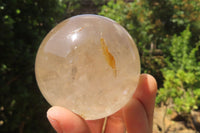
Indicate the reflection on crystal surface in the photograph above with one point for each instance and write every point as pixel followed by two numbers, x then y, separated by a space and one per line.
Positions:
pixel 88 64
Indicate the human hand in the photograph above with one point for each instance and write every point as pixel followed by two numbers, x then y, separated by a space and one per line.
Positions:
pixel 135 117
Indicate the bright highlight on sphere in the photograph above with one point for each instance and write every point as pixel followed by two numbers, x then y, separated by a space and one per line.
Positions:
pixel 88 64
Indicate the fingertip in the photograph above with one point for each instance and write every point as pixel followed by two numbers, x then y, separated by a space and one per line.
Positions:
pixel 52 119
pixel 53 112
pixel 146 83
pixel 63 120
pixel 153 82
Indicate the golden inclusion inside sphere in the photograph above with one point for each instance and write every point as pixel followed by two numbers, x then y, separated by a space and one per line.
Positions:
pixel 88 64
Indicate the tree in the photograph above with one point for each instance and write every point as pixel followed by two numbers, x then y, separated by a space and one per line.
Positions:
pixel 152 24
pixel 23 24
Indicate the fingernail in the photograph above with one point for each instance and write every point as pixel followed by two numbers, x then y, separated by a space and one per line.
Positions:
pixel 143 79
pixel 152 83
pixel 51 117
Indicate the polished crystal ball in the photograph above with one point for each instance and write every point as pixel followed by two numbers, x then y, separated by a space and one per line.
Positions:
pixel 88 64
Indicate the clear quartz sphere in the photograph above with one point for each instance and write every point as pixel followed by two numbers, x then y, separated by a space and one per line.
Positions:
pixel 88 64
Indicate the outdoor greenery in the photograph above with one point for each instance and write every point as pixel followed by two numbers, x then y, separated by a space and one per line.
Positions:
pixel 166 32
pixel 23 24
pixel 152 24
pixel 181 88
pixel 159 23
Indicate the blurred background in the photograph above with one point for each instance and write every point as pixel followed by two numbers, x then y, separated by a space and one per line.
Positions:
pixel 167 34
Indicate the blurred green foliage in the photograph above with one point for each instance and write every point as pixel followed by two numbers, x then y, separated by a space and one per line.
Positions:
pixel 167 33
pixel 23 24
pixel 181 88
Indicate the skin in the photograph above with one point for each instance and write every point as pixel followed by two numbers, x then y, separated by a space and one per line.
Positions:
pixel 135 117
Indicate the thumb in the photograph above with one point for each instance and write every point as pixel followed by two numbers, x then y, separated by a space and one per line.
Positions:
pixel 64 121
